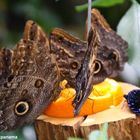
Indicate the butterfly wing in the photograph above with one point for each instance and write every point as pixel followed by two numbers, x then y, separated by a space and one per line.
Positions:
pixel 5 64
pixel 68 52
pixel 105 57
pixel 113 49
pixel 85 78
pixel 34 79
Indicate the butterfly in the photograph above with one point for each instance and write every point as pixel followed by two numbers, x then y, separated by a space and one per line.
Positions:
pixel 28 76
pixel 102 55
pixel 31 72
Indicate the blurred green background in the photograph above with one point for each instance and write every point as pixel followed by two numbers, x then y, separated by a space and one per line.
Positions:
pixel 48 14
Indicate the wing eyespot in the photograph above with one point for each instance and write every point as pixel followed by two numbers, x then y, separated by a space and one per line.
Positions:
pixel 74 65
pixel 114 55
pixel 39 83
pixel 97 67
pixel 21 108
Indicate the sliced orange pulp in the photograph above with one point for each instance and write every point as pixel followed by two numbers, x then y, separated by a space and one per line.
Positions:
pixel 103 95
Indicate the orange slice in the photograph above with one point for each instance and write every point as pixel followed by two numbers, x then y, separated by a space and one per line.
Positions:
pixel 103 95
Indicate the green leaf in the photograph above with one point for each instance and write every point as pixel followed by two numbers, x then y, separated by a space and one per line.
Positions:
pixel 129 29
pixel 99 3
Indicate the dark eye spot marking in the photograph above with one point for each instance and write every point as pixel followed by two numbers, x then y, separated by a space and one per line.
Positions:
pixel 97 67
pixel 74 65
pixel 114 55
pixel 21 108
pixel 39 83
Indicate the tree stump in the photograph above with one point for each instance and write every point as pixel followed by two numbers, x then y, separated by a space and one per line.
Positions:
pixel 122 123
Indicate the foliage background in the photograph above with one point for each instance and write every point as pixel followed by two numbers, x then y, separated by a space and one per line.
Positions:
pixel 49 14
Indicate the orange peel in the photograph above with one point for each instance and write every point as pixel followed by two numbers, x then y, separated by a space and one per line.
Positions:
pixel 103 95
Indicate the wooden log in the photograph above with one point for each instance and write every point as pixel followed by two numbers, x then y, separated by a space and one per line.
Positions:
pixel 122 123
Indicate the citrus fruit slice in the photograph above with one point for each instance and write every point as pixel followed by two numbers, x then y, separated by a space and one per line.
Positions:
pixel 103 95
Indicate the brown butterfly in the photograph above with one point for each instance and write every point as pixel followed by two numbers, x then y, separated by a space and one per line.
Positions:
pixel 31 72
pixel 86 63
pixel 29 77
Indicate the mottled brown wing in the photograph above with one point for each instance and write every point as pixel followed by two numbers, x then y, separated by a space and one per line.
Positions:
pixel 85 78
pixel 68 52
pixel 105 57
pixel 113 49
pixel 5 64
pixel 30 79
